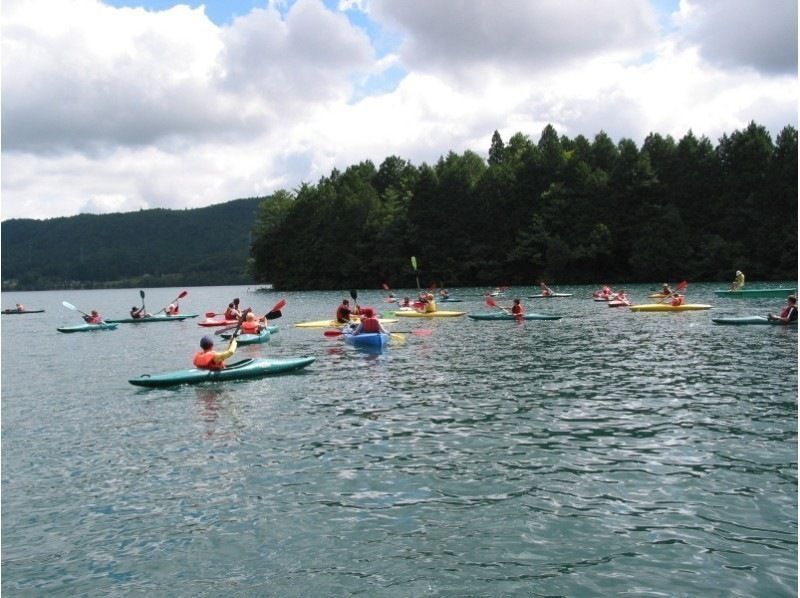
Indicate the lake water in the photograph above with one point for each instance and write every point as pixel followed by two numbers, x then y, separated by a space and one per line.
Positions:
pixel 607 453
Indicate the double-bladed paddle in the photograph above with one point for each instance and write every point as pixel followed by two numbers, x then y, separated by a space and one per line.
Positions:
pixel 180 296
pixel 272 314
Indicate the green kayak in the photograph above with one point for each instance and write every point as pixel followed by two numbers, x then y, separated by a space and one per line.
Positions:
pixel 751 321
pixel 87 327
pixel 252 339
pixel 498 315
pixel 756 293
pixel 156 318
pixel 241 370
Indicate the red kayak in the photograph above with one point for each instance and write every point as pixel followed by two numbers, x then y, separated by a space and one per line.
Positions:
pixel 218 322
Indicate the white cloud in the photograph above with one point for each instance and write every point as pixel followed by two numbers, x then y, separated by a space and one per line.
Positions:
pixel 743 33
pixel 117 109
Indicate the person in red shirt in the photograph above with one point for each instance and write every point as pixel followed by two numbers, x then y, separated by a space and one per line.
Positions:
pixel 677 300
pixel 343 312
pixel 516 309
pixel 206 359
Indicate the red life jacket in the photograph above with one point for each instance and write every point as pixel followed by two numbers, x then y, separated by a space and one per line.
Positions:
pixel 204 360
pixel 370 325
pixel 343 314
pixel 516 310
pixel 677 301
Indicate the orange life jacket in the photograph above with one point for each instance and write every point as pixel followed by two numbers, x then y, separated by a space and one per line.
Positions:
pixel 204 360
pixel 250 327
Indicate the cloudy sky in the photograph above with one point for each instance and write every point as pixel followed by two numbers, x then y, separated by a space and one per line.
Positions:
pixel 118 105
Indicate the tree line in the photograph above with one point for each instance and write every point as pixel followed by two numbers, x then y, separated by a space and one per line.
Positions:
pixel 567 210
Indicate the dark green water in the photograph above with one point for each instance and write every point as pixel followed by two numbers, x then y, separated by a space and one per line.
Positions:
pixel 607 453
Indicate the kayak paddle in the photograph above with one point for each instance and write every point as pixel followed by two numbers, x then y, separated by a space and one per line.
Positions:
pixel 141 294
pixel 180 296
pixel 416 273
pixel 239 325
pixel 491 302
pixel 72 307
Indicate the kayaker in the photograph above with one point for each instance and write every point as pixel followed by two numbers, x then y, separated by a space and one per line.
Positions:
pixel 251 324
pixel 212 360
pixel 665 290
pixel 20 307
pixel 430 303
pixel 343 312
pixel 93 318
pixel 677 300
pixel 443 294
pixel 738 283
pixel 546 292
pixel 623 297
pixel 231 313
pixel 789 313
pixel 173 309
pixel 137 313
pixel 516 309
pixel 369 323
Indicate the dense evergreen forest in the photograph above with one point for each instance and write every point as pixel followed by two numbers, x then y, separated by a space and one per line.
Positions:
pixel 566 210
pixel 149 248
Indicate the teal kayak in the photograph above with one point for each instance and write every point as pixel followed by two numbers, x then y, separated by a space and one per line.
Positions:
pixel 250 339
pixel 241 370
pixel 149 319
pixel 497 315
pixel 756 293
pixel 87 327
pixel 751 321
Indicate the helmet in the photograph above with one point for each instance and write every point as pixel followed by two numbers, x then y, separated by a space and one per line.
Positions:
pixel 206 342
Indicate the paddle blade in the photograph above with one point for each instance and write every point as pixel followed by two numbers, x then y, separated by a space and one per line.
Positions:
pixel 682 285
pixel 385 286
pixel 183 294
pixel 69 305
pixel 414 263
pixel 141 294
pixel 211 314
pixel 354 294
pixel 332 333
pixel 273 315
pixel 490 301
pixel 278 306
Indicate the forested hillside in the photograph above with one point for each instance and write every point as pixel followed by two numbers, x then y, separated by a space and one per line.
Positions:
pixel 567 210
pixel 147 248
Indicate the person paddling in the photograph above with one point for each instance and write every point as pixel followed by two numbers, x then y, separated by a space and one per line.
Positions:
pixel 206 359
pixel 546 291
pixel 93 318
pixel 137 313
pixel 251 324
pixel 677 300
pixel 343 312
pixel 369 323
pixel 173 309
pixel 666 290
pixel 231 313
pixel 789 313
pixel 516 309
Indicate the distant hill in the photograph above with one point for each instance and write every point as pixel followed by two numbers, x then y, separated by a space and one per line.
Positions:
pixel 159 247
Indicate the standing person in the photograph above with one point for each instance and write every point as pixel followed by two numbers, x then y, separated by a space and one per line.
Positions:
pixel 343 312
pixel 789 313
pixel 206 359
pixel 93 318
pixel 546 292
pixel 738 283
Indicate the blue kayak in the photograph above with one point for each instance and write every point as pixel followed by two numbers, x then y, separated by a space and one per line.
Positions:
pixel 241 370
pixel 87 327
pixel 373 340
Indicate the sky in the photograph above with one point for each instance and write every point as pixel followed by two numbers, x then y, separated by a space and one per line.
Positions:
pixel 115 106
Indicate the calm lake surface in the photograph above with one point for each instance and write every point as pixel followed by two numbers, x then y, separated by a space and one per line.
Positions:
pixel 607 453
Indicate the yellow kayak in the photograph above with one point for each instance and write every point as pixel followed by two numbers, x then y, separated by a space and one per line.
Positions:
pixel 333 323
pixel 663 307
pixel 430 314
